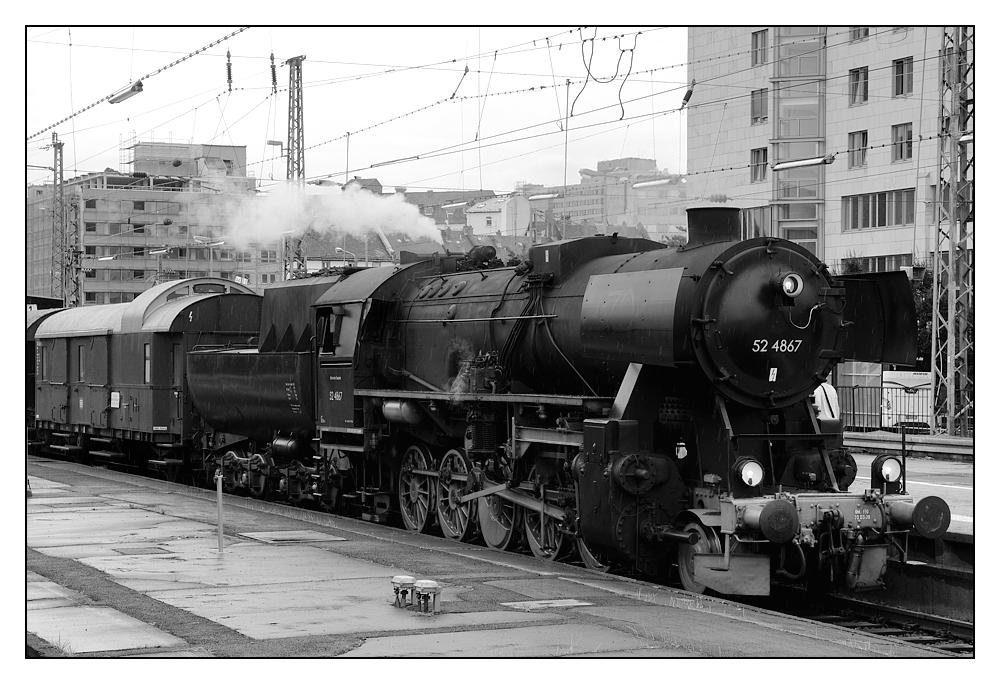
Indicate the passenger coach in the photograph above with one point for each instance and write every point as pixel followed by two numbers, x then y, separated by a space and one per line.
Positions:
pixel 110 381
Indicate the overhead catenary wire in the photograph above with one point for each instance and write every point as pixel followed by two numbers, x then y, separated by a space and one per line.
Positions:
pixel 146 77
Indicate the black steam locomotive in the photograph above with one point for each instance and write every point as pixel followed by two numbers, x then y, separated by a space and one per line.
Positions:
pixel 646 408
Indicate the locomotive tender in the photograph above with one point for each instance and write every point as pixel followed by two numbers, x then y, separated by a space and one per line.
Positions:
pixel 645 407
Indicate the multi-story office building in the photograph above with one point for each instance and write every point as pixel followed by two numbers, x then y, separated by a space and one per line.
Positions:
pixel 865 97
pixel 151 223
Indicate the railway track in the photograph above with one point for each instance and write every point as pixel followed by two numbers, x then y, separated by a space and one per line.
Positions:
pixel 865 617
pixel 869 614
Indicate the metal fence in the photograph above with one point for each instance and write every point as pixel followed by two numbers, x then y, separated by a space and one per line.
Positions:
pixel 864 409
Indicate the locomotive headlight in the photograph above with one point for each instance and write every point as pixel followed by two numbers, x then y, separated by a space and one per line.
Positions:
pixel 887 474
pixel 750 472
pixel 891 470
pixel 791 284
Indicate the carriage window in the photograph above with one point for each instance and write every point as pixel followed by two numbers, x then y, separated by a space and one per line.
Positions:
pixel 41 363
pixel 80 361
pixel 146 366
pixel 329 331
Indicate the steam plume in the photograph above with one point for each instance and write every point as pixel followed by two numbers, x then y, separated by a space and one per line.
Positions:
pixel 323 209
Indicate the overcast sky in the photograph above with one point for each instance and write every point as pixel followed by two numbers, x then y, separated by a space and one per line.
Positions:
pixel 400 92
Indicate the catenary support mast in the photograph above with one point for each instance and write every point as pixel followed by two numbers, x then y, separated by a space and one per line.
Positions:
pixel 952 334
pixel 294 259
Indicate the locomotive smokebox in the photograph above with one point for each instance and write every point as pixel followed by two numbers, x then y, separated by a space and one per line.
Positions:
pixel 712 224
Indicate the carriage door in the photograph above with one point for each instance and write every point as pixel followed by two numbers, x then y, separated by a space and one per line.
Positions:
pixel 177 386
pixel 337 338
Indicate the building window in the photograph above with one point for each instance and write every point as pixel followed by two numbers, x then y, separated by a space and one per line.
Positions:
pixel 799 55
pixel 90 297
pixel 797 212
pixel 798 109
pixel 90 204
pixel 902 142
pixel 758 106
pixel 90 250
pixel 139 228
pixel 858 85
pixel 138 205
pixel 799 183
pixel 758 52
pixel 857 149
pixel 879 209
pixel 90 273
pixel 428 211
pixel 755 222
pixel 268 256
pixel 902 76
pixel 878 264
pixel 489 221
pixel 243 256
pixel 758 165
pixel 146 363
pixel 859 33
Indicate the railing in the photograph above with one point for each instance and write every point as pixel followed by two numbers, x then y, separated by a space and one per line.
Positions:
pixel 891 408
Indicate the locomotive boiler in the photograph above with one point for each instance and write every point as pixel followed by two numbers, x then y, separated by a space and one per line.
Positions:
pixel 639 406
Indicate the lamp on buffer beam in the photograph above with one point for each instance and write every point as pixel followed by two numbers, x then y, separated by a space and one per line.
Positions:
pixel 126 93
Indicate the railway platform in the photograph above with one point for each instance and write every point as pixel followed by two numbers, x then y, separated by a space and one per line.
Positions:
pixel 122 566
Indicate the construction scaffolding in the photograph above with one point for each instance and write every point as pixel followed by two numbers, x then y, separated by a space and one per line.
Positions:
pixel 952 309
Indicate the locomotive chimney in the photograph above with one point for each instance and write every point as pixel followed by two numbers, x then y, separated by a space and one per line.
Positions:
pixel 712 224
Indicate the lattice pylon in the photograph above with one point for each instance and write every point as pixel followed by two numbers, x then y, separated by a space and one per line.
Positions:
pixel 952 310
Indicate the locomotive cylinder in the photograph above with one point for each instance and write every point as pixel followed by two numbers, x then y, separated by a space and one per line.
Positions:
pixel 290 447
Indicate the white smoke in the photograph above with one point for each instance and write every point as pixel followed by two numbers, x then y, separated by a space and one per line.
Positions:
pixel 288 210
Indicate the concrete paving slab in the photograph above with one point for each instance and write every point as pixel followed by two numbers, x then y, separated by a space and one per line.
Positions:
pixel 197 562
pixel 546 603
pixel 44 594
pixel 42 482
pixel 88 629
pixel 34 577
pixel 541 641
pixel 189 653
pixel 46 491
pixel 91 550
pixel 640 653
pixel 719 635
pixel 111 525
pixel 291 537
pixel 43 501
pixel 547 588
pixel 35 591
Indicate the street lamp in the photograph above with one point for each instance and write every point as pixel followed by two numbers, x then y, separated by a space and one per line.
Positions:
pixel 345 253
pixel 815 161
pixel 126 93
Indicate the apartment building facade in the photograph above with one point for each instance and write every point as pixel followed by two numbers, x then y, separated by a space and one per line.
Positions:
pixel 855 106
pixel 148 225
